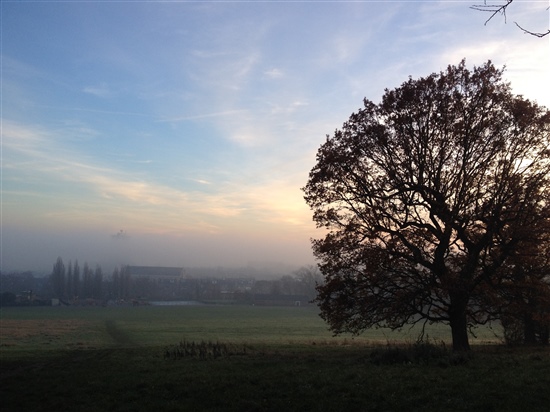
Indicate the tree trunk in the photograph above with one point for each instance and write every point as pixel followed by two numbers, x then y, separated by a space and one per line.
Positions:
pixel 529 335
pixel 459 323
pixel 544 334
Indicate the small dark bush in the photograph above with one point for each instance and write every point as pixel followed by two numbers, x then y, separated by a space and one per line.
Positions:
pixel 390 356
pixel 459 358
pixel 203 350
pixel 421 353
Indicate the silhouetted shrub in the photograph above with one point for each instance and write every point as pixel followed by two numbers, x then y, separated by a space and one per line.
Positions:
pixel 391 355
pixel 421 353
pixel 203 350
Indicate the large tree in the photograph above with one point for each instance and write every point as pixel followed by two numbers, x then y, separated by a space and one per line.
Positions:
pixel 425 196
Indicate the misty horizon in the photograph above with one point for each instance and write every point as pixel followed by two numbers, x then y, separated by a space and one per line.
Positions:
pixel 112 251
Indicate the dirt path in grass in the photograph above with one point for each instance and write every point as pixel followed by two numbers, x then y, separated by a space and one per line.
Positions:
pixel 34 333
pixel 119 336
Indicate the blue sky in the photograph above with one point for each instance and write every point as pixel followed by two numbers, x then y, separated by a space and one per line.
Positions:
pixel 180 133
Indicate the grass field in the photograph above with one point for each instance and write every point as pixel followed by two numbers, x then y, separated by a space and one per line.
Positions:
pixel 273 359
pixel 57 328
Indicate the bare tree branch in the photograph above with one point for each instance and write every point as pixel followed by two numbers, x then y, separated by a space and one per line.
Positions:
pixel 501 9
pixel 496 9
pixel 533 33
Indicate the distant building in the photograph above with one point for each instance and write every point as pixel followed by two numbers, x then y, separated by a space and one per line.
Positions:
pixel 155 282
pixel 156 273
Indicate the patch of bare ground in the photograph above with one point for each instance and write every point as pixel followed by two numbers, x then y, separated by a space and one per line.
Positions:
pixel 43 331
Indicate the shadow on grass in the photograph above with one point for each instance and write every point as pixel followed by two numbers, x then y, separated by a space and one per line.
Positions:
pixel 119 336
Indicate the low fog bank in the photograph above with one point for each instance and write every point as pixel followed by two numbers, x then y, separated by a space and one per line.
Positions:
pixel 261 256
pixel 267 271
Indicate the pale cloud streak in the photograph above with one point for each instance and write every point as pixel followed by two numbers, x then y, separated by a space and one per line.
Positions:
pixel 111 192
pixel 274 73
pixel 203 116
pixel 102 90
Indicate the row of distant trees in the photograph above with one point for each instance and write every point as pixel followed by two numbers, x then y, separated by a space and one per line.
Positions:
pixel 71 283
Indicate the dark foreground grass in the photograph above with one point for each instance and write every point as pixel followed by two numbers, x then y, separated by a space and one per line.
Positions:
pixel 276 378
pixel 248 359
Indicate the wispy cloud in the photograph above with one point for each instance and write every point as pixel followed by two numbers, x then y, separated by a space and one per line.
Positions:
pixel 202 181
pixel 167 207
pixel 274 73
pixel 101 90
pixel 203 116
pixel 91 110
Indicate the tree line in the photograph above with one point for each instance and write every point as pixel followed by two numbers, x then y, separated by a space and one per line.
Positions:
pixel 72 285
pixel 70 282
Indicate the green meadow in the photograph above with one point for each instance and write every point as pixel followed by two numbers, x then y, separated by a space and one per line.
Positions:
pixel 55 328
pixel 248 358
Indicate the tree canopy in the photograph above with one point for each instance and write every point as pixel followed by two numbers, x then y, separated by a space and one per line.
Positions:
pixel 426 197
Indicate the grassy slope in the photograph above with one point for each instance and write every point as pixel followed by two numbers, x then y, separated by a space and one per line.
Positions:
pixel 291 363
